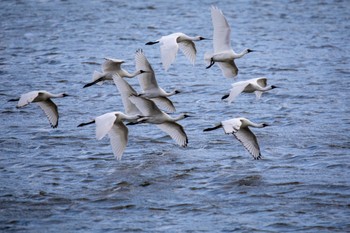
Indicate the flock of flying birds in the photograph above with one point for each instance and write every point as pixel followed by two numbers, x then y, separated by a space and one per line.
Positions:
pixel 152 104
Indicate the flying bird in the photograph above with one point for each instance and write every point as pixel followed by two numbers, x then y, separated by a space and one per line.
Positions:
pixel 112 124
pixel 170 44
pixel 256 85
pixel 43 99
pixel 149 84
pixel 239 127
pixel 223 53
pixel 152 114
pixel 109 67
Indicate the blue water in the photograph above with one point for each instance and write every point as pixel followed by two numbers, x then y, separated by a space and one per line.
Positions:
pixel 64 180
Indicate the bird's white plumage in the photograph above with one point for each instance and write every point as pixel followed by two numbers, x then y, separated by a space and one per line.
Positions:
pixel 150 85
pixel 112 124
pixel 256 85
pixel 232 125
pixel 249 141
pixel 170 44
pixel 147 80
pixel 222 31
pixel 118 137
pixel 50 110
pixel 43 99
pixel 223 53
pixel 239 127
pixel 175 131
pixel 104 124
pixel 125 91
pixel 156 116
pixel 111 65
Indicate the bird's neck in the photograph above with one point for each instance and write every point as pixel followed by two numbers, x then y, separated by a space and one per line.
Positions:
pixel 180 117
pixel 126 74
pixel 59 95
pixel 241 54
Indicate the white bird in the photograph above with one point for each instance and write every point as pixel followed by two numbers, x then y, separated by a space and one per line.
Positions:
pixel 256 85
pixel 109 67
pixel 152 114
pixel 239 127
pixel 125 91
pixel 149 84
pixel 170 44
pixel 223 53
pixel 112 124
pixel 43 99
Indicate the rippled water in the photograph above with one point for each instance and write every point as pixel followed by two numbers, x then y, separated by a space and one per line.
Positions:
pixel 64 180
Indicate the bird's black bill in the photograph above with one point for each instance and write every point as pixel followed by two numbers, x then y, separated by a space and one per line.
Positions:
pixel 225 97
pixel 13 100
pixel 87 123
pixel 152 42
pixel 92 83
pixel 212 128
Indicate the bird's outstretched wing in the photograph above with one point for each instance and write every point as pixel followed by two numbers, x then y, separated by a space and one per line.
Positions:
pixel 147 107
pixel 249 141
pixel 104 124
pixel 168 50
pixel 229 69
pixel 222 31
pixel 231 126
pixel 189 49
pixel 125 91
pixel 118 137
pixel 147 80
pixel 27 98
pixel 164 103
pixel 176 132
pixel 50 110
pixel 111 65
pixel 237 88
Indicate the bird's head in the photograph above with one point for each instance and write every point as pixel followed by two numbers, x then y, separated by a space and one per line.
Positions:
pixel 177 91
pixel 273 87
pixel 64 95
pixel 185 115
pixel 144 71
pixel 250 50
pixel 265 124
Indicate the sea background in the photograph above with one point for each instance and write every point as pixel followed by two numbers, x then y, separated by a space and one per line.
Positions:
pixel 64 180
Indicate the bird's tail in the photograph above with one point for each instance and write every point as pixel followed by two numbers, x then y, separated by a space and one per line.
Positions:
pixel 212 128
pixel 207 57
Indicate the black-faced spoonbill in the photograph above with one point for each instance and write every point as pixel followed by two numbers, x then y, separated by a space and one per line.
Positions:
pixel 170 44
pixel 256 85
pixel 149 84
pixel 109 67
pixel 152 114
pixel 239 127
pixel 112 124
pixel 223 53
pixel 43 99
